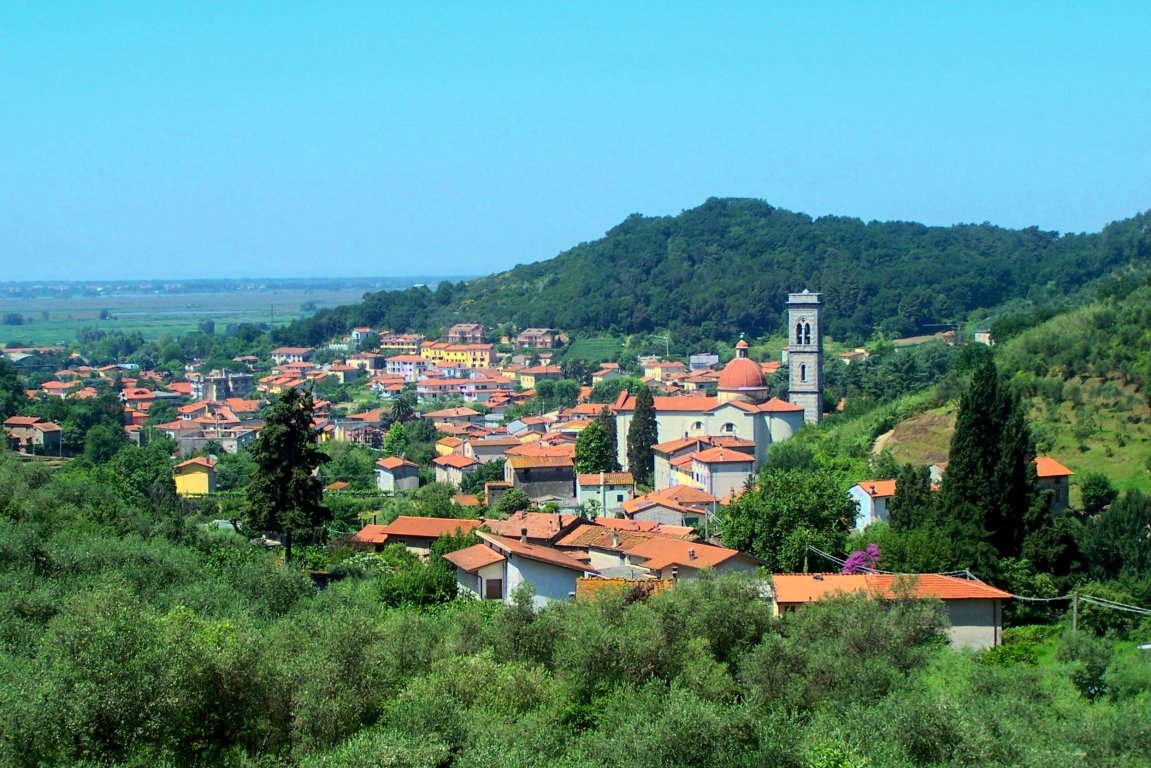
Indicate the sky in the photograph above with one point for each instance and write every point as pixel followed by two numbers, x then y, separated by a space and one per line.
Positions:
pixel 290 139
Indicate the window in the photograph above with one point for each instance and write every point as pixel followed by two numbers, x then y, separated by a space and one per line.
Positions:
pixel 697 425
pixel 806 333
pixel 728 427
pixel 799 333
pixel 619 497
pixel 494 589
pixel 803 373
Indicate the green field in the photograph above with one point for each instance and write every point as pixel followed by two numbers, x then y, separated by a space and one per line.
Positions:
pixel 594 349
pixel 54 321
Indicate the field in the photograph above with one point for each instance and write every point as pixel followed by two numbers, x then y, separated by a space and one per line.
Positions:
pixel 594 349
pixel 54 321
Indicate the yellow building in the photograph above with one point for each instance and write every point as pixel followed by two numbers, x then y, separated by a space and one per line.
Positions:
pixel 195 477
pixel 446 355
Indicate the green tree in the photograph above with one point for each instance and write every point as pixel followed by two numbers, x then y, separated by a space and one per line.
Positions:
pixel 490 471
pixel 988 493
pixel 513 500
pixel 641 436
pixel 12 397
pixel 397 442
pixel 285 495
pixel 403 409
pixel 1116 541
pixel 785 511
pixel 913 504
pixel 1097 492
pixel 102 442
pixel 594 449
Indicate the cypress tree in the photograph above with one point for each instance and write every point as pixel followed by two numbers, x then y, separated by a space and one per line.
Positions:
pixel 989 488
pixel 285 495
pixel 641 436
pixel 913 504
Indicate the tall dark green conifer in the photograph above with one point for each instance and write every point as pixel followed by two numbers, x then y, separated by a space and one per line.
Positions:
pixel 913 504
pixel 988 490
pixel 285 495
pixel 641 436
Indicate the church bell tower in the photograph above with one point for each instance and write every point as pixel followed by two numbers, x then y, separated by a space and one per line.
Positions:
pixel 805 354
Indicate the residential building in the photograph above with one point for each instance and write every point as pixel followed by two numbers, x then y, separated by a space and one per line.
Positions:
pixel 607 490
pixel 284 355
pixel 415 533
pixel 467 333
pixel 495 574
pixel 446 355
pixel 541 476
pixel 452 468
pixel 195 477
pixel 974 609
pixel 31 434
pixel 537 338
pixel 1053 476
pixel 871 498
pixel 529 378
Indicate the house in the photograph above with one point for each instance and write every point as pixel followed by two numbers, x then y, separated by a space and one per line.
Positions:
pixel 539 527
pixel 537 338
pixel 540 476
pixel 871 498
pixel 975 609
pixel 681 505
pixel 507 563
pixel 284 355
pixel 31 434
pixel 608 490
pixel 467 333
pixel 663 370
pixel 397 474
pixel 444 355
pixel 1056 478
pixel 668 558
pixel 487 449
pixel 457 416
pixel 529 378
pixel 452 468
pixel 359 334
pixel 415 533
pixel 721 471
pixel 409 367
pixel 195 477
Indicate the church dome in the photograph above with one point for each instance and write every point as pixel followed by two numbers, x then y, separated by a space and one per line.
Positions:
pixel 741 373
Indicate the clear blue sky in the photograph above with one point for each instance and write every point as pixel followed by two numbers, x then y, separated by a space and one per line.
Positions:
pixel 309 139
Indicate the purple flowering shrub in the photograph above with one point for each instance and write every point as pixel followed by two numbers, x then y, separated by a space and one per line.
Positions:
pixel 862 560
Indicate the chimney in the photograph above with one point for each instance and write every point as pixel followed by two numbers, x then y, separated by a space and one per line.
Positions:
pixel 691 554
pixel 615 541
pixel 524 535
pixel 873 489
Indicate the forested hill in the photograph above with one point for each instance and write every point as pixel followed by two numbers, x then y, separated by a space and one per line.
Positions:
pixel 727 266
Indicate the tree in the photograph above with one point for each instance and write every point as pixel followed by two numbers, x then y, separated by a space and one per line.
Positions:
pixel 785 511
pixel 285 495
pixel 12 396
pixel 1117 541
pixel 1097 492
pixel 594 450
pixel 403 409
pixel 397 442
pixel 102 442
pixel 642 434
pixel 490 471
pixel 913 504
pixel 513 500
pixel 988 491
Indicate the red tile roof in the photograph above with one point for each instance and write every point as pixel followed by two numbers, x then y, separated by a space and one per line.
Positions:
pixel 455 460
pixel 395 462
pixel 415 527
pixel 659 552
pixel 878 489
pixel 606 478
pixel 509 546
pixel 722 456
pixel 792 588
pixel 1045 466
pixel 539 525
pixel 536 462
pixel 475 557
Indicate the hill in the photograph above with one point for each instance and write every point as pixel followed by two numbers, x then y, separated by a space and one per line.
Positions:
pixel 726 267
pixel 1087 377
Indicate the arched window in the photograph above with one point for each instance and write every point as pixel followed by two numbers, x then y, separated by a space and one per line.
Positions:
pixel 697 425
pixel 799 333
pixel 806 333
pixel 803 373
pixel 728 427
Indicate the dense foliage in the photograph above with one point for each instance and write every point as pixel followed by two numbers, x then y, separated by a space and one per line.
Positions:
pixel 727 266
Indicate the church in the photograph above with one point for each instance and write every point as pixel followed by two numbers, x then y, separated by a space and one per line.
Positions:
pixel 741 413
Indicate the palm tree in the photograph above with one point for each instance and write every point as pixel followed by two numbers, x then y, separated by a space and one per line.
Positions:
pixel 403 409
